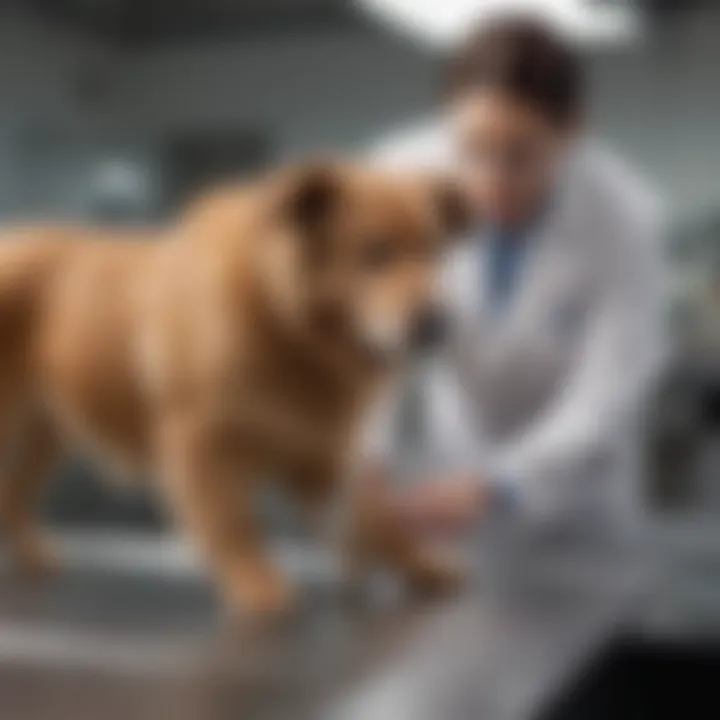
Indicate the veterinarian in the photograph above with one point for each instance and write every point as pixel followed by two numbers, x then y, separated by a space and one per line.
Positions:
pixel 535 408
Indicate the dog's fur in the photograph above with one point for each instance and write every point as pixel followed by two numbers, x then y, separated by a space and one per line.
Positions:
pixel 244 341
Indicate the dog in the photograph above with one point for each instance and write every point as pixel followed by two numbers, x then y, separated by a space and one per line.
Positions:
pixel 245 340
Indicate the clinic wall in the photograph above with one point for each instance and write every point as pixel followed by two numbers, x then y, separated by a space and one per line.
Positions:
pixel 660 106
pixel 317 92
pixel 656 103
pixel 320 92
pixel 53 114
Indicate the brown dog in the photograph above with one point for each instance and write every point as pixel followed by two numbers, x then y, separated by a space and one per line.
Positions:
pixel 245 341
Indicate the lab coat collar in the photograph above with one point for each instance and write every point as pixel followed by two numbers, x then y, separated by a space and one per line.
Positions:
pixel 552 231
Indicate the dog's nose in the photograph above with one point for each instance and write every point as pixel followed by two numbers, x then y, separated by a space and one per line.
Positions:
pixel 429 330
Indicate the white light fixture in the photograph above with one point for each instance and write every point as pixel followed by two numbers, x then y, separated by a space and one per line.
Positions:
pixel 442 22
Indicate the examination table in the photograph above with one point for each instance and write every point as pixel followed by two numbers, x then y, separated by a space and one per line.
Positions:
pixel 541 634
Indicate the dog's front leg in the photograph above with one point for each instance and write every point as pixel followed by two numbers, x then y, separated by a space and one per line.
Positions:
pixel 209 488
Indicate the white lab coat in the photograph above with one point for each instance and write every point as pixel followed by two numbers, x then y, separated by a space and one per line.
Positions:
pixel 548 398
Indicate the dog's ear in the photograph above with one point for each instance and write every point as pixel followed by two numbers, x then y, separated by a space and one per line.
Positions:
pixel 452 204
pixel 312 196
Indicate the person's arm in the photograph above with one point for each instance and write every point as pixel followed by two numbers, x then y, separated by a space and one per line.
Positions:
pixel 622 351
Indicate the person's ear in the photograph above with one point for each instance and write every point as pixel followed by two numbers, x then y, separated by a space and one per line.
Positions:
pixel 453 205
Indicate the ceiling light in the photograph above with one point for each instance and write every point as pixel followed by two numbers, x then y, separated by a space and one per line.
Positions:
pixel 442 22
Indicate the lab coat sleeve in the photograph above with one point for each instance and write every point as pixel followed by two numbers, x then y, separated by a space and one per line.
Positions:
pixel 449 438
pixel 380 433
pixel 453 425
pixel 622 351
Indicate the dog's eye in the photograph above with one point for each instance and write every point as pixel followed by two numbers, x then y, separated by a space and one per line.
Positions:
pixel 377 255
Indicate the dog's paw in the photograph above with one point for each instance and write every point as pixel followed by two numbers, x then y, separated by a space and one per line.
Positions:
pixel 33 553
pixel 434 573
pixel 260 596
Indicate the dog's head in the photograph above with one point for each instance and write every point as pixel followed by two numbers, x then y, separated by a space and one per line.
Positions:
pixel 359 250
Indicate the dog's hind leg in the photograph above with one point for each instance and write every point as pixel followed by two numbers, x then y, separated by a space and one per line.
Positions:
pixel 28 467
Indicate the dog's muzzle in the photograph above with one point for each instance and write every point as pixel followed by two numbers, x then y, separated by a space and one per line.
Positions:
pixel 429 330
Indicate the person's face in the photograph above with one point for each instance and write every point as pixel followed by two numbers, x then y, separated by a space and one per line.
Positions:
pixel 508 154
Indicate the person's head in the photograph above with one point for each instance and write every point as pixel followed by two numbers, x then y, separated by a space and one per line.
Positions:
pixel 514 91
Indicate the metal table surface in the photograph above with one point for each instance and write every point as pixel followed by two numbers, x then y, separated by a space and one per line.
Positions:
pixel 104 639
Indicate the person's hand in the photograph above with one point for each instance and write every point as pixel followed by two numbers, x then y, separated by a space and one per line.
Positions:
pixel 441 505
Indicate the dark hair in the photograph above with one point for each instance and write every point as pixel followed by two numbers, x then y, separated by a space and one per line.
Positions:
pixel 524 58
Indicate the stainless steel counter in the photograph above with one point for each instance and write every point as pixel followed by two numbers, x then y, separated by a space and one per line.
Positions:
pixel 141 639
